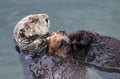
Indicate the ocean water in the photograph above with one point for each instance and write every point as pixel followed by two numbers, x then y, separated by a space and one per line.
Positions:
pixel 102 16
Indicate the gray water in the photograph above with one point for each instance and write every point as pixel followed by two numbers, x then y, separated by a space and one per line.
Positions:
pixel 102 16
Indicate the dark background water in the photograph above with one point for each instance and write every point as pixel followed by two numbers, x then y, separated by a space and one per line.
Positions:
pixel 102 16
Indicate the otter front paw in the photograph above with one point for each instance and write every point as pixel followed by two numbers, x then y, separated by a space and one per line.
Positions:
pixel 82 37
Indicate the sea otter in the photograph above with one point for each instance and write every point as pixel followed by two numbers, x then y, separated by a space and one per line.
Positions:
pixel 59 44
pixel 30 33
pixel 102 52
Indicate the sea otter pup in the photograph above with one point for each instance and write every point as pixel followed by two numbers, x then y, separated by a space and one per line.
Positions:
pixel 30 33
pixel 59 44
pixel 102 52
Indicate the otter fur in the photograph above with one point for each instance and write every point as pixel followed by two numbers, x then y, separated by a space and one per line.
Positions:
pixel 30 33
pixel 59 44
pixel 102 52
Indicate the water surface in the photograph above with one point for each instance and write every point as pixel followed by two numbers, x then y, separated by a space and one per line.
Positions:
pixel 102 16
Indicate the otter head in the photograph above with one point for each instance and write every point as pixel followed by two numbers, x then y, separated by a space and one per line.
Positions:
pixel 59 44
pixel 31 25
pixel 30 33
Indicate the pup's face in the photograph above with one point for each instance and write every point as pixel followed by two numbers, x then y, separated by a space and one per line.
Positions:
pixel 36 24
pixel 59 44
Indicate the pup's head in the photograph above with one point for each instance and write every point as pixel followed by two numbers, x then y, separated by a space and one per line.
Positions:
pixel 31 25
pixel 59 44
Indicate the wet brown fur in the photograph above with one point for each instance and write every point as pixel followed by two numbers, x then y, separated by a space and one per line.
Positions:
pixel 59 44
pixel 100 51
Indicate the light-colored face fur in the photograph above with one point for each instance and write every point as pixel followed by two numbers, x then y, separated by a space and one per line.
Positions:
pixel 36 24
pixel 59 44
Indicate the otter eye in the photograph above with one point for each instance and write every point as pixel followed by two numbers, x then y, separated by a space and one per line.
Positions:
pixel 47 19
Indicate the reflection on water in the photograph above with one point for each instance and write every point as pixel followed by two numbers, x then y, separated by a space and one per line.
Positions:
pixel 102 16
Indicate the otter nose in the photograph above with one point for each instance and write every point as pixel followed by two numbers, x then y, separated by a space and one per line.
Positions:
pixel 47 20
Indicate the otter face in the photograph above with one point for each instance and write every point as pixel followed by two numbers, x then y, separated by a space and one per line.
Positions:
pixel 36 24
pixel 59 44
